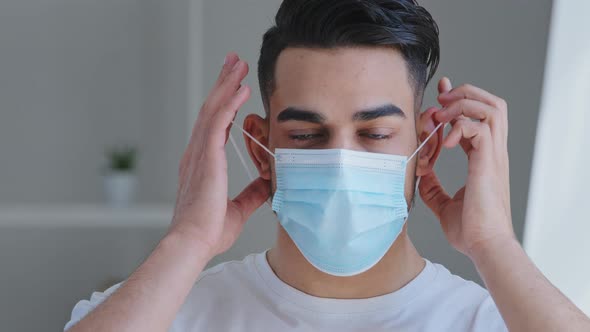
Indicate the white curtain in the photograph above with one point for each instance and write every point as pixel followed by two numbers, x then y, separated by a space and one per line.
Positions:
pixel 557 231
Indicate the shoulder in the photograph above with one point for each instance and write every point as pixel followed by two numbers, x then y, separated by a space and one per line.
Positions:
pixel 231 274
pixel 213 285
pixel 451 285
pixel 228 285
pixel 467 300
pixel 83 307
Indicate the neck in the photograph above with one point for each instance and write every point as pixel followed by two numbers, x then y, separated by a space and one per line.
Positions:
pixel 400 265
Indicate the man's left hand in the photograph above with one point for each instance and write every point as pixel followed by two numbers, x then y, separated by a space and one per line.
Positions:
pixel 479 213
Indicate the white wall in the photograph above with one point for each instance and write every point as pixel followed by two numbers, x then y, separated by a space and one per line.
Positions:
pixel 75 76
pixel 60 266
pixel 557 230
pixel 79 75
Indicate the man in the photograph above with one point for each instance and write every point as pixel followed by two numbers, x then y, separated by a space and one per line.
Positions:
pixel 339 152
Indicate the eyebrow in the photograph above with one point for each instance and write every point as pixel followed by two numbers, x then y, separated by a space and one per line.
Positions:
pixel 295 114
pixel 377 112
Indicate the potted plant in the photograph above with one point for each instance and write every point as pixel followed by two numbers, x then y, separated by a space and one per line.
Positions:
pixel 120 178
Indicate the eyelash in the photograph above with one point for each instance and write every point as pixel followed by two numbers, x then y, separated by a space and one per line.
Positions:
pixel 308 137
pixel 304 137
pixel 377 136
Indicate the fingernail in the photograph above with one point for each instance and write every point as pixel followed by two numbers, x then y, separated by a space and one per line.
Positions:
pixel 226 60
pixel 236 65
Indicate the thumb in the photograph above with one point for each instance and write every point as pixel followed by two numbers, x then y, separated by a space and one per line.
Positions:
pixel 444 86
pixel 432 193
pixel 252 197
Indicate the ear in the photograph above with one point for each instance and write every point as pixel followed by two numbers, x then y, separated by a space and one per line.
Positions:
pixel 426 158
pixel 258 128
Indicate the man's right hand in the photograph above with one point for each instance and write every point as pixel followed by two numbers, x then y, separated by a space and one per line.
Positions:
pixel 203 210
pixel 205 221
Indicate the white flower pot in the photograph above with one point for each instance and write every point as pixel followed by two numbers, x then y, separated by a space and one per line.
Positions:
pixel 120 188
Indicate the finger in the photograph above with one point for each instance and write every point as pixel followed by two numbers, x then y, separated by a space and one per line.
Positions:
pixel 227 88
pixel 470 108
pixel 468 91
pixel 455 135
pixel 465 145
pixel 473 132
pixel 223 118
pixel 212 102
pixel 230 60
pixel 444 85
pixel 252 197
pixel 432 193
pixel 227 131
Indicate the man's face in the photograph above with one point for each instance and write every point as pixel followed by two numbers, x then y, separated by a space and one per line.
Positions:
pixel 347 98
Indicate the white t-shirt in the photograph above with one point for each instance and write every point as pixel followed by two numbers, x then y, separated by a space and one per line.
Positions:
pixel 248 296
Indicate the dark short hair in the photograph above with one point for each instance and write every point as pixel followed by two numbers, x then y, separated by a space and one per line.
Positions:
pixel 327 24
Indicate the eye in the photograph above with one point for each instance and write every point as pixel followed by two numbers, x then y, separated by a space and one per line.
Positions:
pixel 376 136
pixel 305 137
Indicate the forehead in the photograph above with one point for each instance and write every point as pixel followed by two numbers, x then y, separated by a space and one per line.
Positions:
pixel 341 79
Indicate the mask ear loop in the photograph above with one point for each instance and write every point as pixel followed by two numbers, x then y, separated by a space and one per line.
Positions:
pixel 252 137
pixel 241 156
pixel 251 176
pixel 426 140
pixel 421 146
pixel 242 160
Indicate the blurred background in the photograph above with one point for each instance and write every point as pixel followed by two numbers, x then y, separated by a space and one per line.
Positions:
pixel 98 97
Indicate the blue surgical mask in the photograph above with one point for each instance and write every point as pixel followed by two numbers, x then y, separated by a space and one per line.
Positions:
pixel 343 209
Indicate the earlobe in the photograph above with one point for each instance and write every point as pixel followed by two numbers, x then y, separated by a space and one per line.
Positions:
pixel 258 128
pixel 426 158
